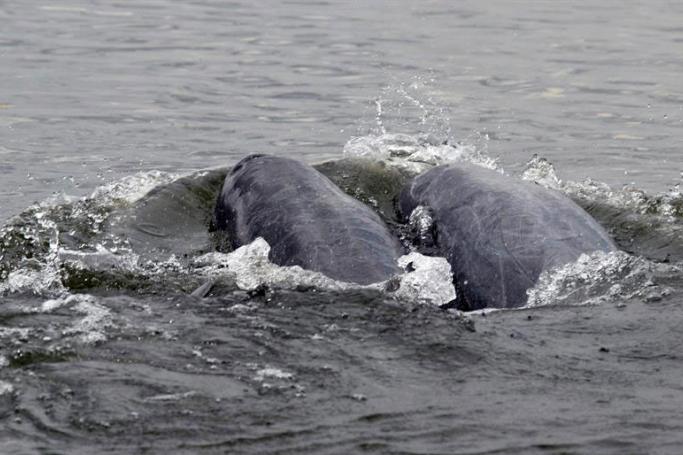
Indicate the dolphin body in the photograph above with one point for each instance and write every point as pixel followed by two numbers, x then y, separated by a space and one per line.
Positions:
pixel 306 220
pixel 499 233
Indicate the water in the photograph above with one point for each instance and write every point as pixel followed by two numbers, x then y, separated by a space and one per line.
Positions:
pixel 103 347
pixel 93 91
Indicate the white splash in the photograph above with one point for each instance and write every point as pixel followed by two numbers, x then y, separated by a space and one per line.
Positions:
pixel 38 276
pixel 96 317
pixel 273 373
pixel 595 278
pixel 19 333
pixel 26 280
pixel 250 267
pixel 131 188
pixel 541 171
pixel 430 280
pixel 414 153
pixel 6 388
pixel 421 221
pixel 668 204
pixel 101 259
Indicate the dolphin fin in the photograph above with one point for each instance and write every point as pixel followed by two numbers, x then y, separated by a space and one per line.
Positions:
pixel 203 290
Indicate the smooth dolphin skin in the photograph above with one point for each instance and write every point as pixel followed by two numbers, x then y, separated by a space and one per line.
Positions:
pixel 306 219
pixel 499 233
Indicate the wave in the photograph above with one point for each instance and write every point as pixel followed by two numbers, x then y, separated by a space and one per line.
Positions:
pixel 150 233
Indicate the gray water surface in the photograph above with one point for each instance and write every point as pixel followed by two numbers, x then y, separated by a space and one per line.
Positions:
pixel 94 90
pixel 113 354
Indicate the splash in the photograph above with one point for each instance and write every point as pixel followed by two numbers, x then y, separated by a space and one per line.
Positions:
pixel 668 204
pixel 541 171
pixel 251 269
pixel 131 188
pixel 414 154
pixel 413 132
pixel 6 389
pixel 596 278
pixel 271 372
pixel 96 318
pixel 409 106
pixel 649 225
pixel 428 280
pixel 37 243
pixel 88 326
pixel 101 259
pixel 36 275
pixel 421 222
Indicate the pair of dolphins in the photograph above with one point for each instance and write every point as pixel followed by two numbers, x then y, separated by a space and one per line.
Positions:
pixel 497 233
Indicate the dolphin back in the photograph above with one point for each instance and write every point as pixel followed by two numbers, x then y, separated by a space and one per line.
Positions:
pixel 306 220
pixel 499 233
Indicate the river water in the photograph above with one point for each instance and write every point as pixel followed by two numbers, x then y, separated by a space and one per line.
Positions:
pixel 104 349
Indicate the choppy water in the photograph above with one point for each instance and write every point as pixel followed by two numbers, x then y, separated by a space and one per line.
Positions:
pixel 109 114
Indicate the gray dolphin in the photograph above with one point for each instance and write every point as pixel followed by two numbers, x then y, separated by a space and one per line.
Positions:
pixel 306 219
pixel 499 233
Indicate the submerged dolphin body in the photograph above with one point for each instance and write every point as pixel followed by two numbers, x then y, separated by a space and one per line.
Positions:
pixel 499 233
pixel 306 220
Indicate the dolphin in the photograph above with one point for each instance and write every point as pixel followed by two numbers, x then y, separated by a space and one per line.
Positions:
pixel 498 233
pixel 306 219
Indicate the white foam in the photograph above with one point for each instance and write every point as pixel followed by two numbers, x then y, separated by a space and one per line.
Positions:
pixel 429 282
pixel 102 258
pixel 541 171
pixel 250 267
pixel 421 221
pixel 6 388
pixel 26 280
pixel 96 317
pixel 36 276
pixel 40 275
pixel 133 187
pixel 414 153
pixel 172 396
pixel 273 373
pixel 594 278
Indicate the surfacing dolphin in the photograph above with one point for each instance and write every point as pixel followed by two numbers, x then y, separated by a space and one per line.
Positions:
pixel 306 220
pixel 499 233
